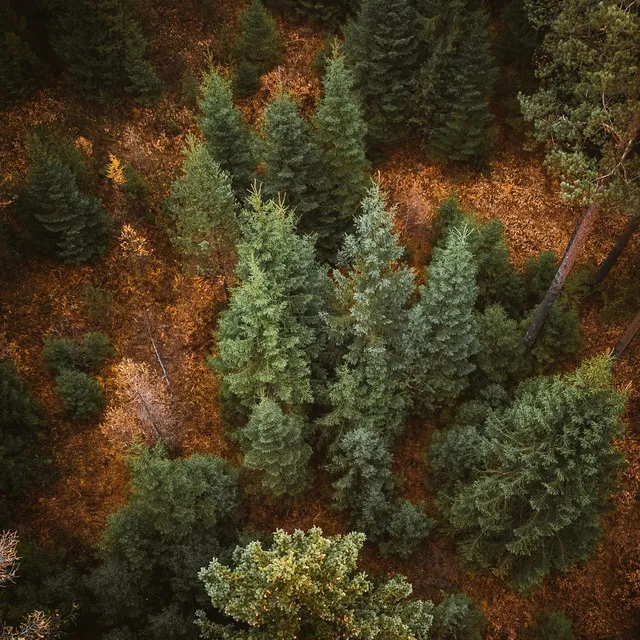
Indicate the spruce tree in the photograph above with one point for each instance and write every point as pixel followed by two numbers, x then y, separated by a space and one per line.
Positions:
pixel 340 132
pixel 269 338
pixel 246 81
pixel 457 618
pixel 291 162
pixel 381 47
pixel 274 444
pixel 103 48
pixel 259 42
pixel 524 489
pixel 442 327
pixel 326 595
pixel 60 218
pixel 202 205
pixel 227 136
pixel 370 320
pixel 179 513
pixel 82 395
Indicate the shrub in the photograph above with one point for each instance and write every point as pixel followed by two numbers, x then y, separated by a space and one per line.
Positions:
pixel 96 301
pixel 82 396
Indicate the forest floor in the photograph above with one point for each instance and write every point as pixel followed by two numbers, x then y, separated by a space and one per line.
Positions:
pixel 154 301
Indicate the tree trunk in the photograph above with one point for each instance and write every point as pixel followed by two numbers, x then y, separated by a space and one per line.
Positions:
pixel 575 246
pixel 615 252
pixel 627 337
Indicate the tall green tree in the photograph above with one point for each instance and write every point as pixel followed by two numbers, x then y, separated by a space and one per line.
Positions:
pixel 259 42
pixel 524 489
pixel 291 162
pixel 371 318
pixel 274 443
pixel 303 570
pixel 179 513
pixel 340 131
pixel 103 49
pixel 202 205
pixel 59 218
pixel 382 48
pixel 442 327
pixel 268 339
pixel 228 138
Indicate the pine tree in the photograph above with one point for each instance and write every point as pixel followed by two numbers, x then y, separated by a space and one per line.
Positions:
pixel 329 13
pixel 202 205
pixel 82 395
pixel 246 81
pixel 274 443
pixel 340 132
pixel 303 570
pixel 271 334
pixel 60 218
pixel 381 47
pixel 259 42
pixel 456 86
pixel 524 490
pixel 291 162
pixel 371 319
pixel 227 136
pixel 179 513
pixel 103 49
pixel 442 327
pixel 457 618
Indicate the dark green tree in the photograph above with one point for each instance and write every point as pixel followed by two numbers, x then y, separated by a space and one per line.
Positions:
pixel 178 514
pixel 103 49
pixel 63 354
pixel 303 570
pixel 229 140
pixel 58 217
pixel 259 42
pixel 524 490
pixel 329 13
pixel 340 132
pixel 549 625
pixel 274 443
pixel 246 81
pixel 457 618
pixel 382 48
pixel 82 395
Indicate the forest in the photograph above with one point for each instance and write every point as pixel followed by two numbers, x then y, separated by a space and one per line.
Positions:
pixel 318 319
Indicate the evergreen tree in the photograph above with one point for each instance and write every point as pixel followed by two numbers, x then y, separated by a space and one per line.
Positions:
pixel 457 618
pixel 371 320
pixel 271 334
pixel 549 625
pixel 178 514
pixel 60 218
pixel 82 395
pixel 340 132
pixel 291 161
pixel 202 205
pixel 326 596
pixel 227 136
pixel 247 80
pixel 259 41
pixel 442 327
pixel 381 48
pixel 330 13
pixel 524 490
pixel 274 443
pixel 103 49
pixel 20 427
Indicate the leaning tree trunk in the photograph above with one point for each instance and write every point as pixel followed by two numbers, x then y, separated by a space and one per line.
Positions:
pixel 575 246
pixel 610 261
pixel 627 337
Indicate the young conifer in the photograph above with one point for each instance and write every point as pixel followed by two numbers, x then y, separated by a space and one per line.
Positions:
pixel 442 327
pixel 274 444
pixel 259 42
pixel 60 218
pixel 524 489
pixel 228 139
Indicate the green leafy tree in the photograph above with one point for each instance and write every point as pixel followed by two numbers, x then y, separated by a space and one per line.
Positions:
pixel 58 217
pixel 179 513
pixel 524 490
pixel 340 132
pixel 103 49
pixel 259 42
pixel 202 205
pixel 20 429
pixel 228 138
pixel 370 319
pixel 274 443
pixel 382 47
pixel 82 395
pixel 303 571
pixel 442 327
pixel 291 161
pixel 272 333
pixel 457 618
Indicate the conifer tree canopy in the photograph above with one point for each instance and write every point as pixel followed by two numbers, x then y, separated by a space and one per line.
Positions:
pixel 259 41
